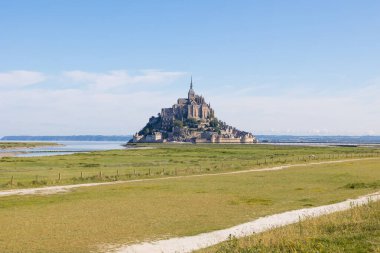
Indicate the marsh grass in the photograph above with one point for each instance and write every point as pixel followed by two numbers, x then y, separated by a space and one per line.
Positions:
pixel 83 219
pixel 354 230
pixel 356 185
pixel 11 145
pixel 163 160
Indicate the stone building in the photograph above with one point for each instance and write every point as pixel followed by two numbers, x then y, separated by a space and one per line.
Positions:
pixel 191 119
pixel 155 137
pixel 194 106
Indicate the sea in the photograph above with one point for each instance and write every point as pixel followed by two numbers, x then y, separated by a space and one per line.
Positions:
pixel 66 148
pixel 81 144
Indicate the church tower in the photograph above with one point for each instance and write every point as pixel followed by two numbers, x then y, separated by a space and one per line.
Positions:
pixel 191 94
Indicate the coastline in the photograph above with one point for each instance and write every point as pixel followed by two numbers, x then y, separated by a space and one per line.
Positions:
pixel 26 145
pixel 12 151
pixel 8 154
pixel 30 149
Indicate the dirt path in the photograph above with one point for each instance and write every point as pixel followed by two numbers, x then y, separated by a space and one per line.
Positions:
pixel 191 243
pixel 66 188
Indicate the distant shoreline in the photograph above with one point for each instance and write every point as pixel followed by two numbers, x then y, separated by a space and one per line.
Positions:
pixel 10 154
pixel 270 139
pixel 25 145
pixel 121 138
pixel 15 146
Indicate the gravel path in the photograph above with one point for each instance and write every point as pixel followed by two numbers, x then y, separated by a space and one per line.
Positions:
pixel 191 243
pixel 66 188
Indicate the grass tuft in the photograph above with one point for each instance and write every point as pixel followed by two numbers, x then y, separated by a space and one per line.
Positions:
pixel 373 185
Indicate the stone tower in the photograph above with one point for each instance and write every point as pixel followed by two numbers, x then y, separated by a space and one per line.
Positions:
pixel 191 94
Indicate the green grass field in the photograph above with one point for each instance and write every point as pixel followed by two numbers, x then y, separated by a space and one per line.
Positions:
pixel 163 160
pixel 9 145
pixel 356 230
pixel 92 219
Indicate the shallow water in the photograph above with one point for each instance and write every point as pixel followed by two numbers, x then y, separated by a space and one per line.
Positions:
pixel 66 148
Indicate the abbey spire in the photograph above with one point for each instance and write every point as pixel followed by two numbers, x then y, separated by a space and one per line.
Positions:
pixel 191 94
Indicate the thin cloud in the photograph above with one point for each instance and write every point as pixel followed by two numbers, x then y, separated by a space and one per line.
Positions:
pixel 20 78
pixel 77 112
pixel 353 113
pixel 118 78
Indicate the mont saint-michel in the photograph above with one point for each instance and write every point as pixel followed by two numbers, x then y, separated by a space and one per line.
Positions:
pixel 193 120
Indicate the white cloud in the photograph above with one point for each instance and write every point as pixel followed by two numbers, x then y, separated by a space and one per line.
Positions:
pixel 20 78
pixel 117 78
pixel 354 112
pixel 76 112
pixel 98 110
pixel 93 109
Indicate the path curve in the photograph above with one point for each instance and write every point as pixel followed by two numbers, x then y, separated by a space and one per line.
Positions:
pixel 191 243
pixel 66 188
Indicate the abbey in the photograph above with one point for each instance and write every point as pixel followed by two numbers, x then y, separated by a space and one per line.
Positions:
pixel 191 119
pixel 193 106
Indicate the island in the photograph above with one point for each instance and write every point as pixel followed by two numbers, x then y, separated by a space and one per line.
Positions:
pixel 191 120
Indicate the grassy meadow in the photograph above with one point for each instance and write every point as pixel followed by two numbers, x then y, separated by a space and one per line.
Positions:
pixel 162 160
pixel 99 218
pixel 356 230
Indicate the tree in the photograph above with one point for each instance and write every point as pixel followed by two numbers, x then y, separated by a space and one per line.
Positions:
pixel 214 122
pixel 178 123
pixel 148 129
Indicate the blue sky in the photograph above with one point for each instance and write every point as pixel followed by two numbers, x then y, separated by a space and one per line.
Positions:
pixel 104 67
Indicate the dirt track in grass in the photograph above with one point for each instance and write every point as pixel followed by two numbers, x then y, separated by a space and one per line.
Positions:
pixel 67 188
pixel 191 243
